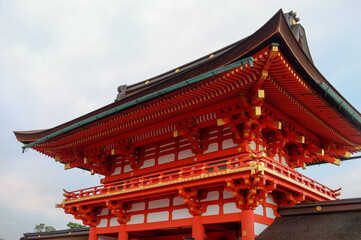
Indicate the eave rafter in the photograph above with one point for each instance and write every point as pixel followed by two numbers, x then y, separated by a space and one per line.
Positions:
pixel 289 83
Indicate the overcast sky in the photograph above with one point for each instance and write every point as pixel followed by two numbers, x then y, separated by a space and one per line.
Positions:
pixel 62 59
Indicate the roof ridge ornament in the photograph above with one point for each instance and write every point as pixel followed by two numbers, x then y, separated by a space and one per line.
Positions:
pixel 298 32
pixel 291 18
pixel 122 89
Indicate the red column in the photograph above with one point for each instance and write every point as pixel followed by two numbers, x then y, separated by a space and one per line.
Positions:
pixel 248 224
pixel 123 234
pixel 92 234
pixel 198 231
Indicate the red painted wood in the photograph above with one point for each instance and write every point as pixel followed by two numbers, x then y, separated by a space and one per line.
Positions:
pixel 248 224
pixel 157 129
pixel 198 231
pixel 92 234
pixel 123 234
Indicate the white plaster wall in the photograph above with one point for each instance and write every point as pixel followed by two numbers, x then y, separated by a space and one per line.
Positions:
pixel 270 213
pixel 283 159
pixel 136 219
pixel 104 211
pixel 127 168
pixel 166 158
pixel 253 145
pixel 158 203
pixel 117 171
pixel 178 201
pixel 165 145
pixel 213 195
pixel 259 210
pixel 102 223
pixel 211 210
pixel 227 194
pixel 114 222
pixel 148 163
pixel 259 228
pixel 211 148
pixel 158 216
pixel 230 208
pixel 185 154
pixel 269 199
pixel 228 144
pixel 137 207
pixel 181 214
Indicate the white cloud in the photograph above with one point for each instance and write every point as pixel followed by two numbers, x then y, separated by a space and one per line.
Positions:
pixel 25 196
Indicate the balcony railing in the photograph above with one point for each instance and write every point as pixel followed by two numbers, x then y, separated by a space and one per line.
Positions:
pixel 197 170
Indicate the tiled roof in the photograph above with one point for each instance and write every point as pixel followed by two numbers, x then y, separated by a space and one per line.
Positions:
pixel 337 219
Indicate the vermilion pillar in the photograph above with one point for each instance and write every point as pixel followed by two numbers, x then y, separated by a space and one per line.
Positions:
pixel 123 234
pixel 198 231
pixel 248 224
pixel 92 234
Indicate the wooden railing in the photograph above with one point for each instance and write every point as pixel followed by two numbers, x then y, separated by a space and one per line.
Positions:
pixel 296 176
pixel 215 166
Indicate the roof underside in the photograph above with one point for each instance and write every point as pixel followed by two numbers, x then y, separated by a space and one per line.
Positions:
pixel 275 30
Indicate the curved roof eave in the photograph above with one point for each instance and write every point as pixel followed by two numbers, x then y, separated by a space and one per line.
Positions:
pixel 313 76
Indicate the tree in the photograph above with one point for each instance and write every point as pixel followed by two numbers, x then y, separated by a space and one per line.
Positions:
pixel 72 225
pixel 49 229
pixel 41 228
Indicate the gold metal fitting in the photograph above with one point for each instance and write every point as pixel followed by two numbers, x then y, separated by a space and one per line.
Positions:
pixel 67 166
pixel 279 127
pixel 176 133
pixel 257 111
pixel 220 122
pixel 304 166
pixel 260 92
pixel 264 73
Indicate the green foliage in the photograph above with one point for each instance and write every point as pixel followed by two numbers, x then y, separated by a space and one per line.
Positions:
pixel 72 225
pixel 49 229
pixel 41 228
